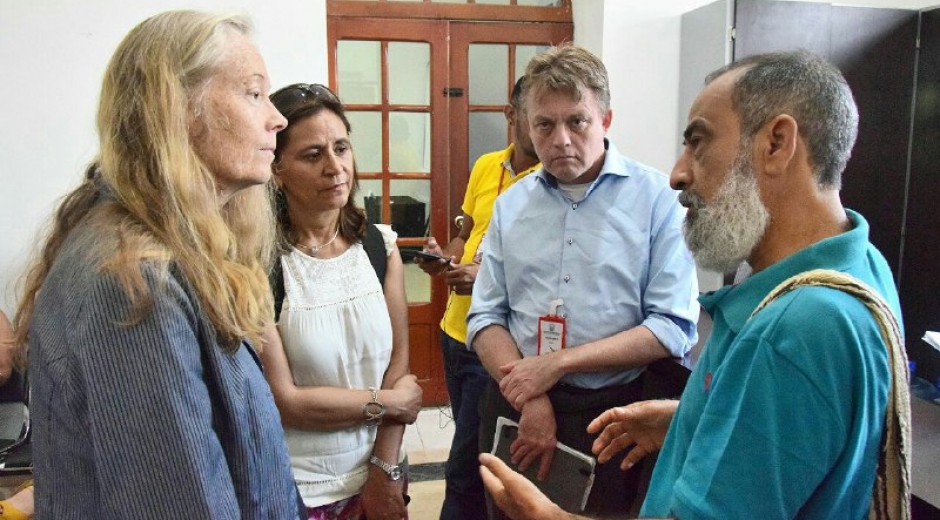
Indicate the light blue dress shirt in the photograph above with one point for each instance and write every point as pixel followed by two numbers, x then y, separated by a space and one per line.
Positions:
pixel 616 258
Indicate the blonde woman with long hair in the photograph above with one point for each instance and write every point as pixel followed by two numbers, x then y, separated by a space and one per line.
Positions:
pixel 143 312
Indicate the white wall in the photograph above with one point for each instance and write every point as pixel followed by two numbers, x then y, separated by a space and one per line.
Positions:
pixel 52 56
pixel 53 52
pixel 639 43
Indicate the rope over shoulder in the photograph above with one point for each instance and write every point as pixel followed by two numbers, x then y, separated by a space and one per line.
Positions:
pixel 891 496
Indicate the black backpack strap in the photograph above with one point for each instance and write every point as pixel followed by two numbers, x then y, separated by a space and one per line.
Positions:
pixel 374 245
pixel 276 279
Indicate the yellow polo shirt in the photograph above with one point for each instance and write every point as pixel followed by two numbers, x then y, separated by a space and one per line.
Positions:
pixel 491 175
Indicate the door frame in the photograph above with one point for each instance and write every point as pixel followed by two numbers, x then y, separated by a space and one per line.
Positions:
pixel 462 35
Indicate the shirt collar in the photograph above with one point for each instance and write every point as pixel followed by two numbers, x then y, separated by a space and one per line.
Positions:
pixel 507 162
pixel 840 253
pixel 613 165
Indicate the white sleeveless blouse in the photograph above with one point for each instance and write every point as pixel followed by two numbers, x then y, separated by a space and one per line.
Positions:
pixel 336 331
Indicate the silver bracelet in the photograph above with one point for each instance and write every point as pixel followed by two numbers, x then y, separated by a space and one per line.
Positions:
pixel 373 410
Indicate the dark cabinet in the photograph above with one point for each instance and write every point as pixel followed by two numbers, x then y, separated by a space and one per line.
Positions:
pixel 920 258
pixel 894 173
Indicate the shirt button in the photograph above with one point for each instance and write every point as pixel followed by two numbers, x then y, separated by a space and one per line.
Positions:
pixel 570 241
pixel 564 315
pixel 567 278
pixel 574 206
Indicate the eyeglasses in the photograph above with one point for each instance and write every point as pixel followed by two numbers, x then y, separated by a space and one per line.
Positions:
pixel 292 97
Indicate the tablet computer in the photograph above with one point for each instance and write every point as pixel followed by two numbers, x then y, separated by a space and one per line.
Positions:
pixel 570 476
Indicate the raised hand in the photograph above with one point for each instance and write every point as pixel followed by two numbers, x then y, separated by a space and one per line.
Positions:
pixel 642 425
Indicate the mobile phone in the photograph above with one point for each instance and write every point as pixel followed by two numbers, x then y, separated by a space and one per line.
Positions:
pixel 424 255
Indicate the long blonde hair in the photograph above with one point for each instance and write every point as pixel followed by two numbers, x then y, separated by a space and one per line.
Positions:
pixel 166 207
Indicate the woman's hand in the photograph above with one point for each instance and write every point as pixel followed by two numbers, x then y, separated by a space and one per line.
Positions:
pixel 382 497
pixel 403 401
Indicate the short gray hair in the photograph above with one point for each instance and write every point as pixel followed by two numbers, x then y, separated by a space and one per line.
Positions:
pixel 809 89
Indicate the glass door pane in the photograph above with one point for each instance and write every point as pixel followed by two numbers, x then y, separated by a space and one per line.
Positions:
pixel 409 142
pixel 409 78
pixel 488 132
pixel 489 73
pixel 366 138
pixel 359 70
pixel 386 86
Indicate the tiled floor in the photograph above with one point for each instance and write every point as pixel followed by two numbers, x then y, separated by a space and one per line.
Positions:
pixel 428 442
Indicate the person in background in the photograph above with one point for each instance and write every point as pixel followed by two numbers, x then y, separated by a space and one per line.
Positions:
pixel 338 360
pixel 20 505
pixel 143 310
pixel 784 415
pixel 7 349
pixel 466 378
pixel 585 277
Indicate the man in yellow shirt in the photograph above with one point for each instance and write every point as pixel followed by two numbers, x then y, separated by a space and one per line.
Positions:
pixel 492 174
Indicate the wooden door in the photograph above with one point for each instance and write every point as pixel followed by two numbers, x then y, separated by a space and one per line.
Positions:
pixel 410 87
pixel 390 77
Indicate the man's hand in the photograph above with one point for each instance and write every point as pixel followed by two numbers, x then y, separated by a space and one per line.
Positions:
pixel 643 424
pixel 536 438
pixel 460 277
pixel 433 267
pixel 528 377
pixel 382 497
pixel 515 495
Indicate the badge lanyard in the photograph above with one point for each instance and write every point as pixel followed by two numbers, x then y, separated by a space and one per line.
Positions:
pixel 552 329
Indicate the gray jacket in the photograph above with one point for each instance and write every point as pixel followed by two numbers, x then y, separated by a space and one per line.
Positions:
pixel 150 419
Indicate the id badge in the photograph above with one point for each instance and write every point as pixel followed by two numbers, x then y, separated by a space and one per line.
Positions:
pixel 551 331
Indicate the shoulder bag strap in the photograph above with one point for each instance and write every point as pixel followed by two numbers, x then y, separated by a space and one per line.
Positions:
pixel 891 496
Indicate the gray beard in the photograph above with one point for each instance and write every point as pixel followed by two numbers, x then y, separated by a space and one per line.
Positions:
pixel 723 233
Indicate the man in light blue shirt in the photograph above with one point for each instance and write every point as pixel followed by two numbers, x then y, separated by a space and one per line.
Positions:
pixel 586 278
pixel 793 411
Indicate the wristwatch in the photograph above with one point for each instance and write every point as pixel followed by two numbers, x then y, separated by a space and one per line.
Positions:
pixel 373 410
pixel 394 472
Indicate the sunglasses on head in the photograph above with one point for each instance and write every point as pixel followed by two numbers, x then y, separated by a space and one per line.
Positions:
pixel 292 97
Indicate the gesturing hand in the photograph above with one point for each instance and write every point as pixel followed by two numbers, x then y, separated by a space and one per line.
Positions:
pixel 642 424
pixel 514 494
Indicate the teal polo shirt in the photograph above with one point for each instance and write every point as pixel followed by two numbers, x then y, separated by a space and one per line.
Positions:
pixel 783 415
